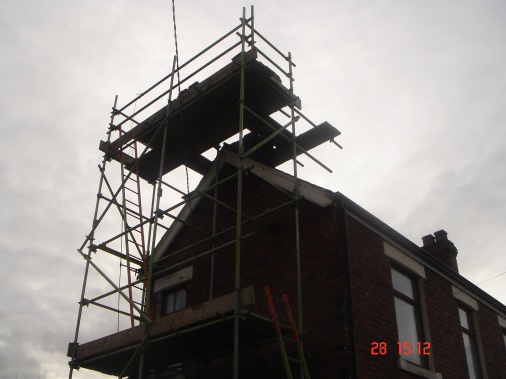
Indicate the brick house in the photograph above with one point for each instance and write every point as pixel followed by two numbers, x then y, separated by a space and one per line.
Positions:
pixel 367 291
pixel 368 302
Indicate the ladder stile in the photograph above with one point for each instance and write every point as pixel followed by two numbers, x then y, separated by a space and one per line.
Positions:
pixel 133 219
pixel 295 335
pixel 281 339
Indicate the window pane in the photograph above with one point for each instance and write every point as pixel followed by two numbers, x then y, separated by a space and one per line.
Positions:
pixel 174 300
pixel 169 303
pixel 180 302
pixel 402 283
pixel 471 364
pixel 504 337
pixel 463 319
pixel 407 328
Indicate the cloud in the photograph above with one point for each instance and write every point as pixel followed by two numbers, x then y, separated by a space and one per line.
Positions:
pixel 417 88
pixel 14 353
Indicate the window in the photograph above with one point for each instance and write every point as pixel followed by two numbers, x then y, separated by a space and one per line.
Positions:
pixel 504 337
pixel 469 338
pixel 173 300
pixel 407 311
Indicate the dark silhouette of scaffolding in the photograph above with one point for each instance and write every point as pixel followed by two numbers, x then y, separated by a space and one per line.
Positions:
pixel 234 113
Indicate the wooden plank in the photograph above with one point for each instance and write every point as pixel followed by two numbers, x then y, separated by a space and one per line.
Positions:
pixel 105 344
pixel 270 126
pixel 175 151
pixel 117 254
pixel 307 140
pixel 186 96
pixel 210 118
pixel 201 312
pixel 164 325
pixel 128 160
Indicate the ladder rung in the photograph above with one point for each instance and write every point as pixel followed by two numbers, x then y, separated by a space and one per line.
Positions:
pixel 288 339
pixel 135 243
pixel 283 319
pixel 132 178
pixel 293 360
pixel 132 213
pixel 278 299
pixel 130 268
pixel 131 190
pixel 131 202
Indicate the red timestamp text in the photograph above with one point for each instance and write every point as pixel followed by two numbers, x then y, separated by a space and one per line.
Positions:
pixel 403 348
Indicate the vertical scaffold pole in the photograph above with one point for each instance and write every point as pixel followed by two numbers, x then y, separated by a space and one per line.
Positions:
pixel 239 204
pixel 213 243
pixel 296 195
pixel 90 238
pixel 252 40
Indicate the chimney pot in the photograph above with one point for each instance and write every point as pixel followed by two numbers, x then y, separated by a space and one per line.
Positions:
pixel 441 235
pixel 442 248
pixel 428 240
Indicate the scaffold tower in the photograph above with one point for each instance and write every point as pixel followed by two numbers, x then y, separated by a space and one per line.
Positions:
pixel 219 119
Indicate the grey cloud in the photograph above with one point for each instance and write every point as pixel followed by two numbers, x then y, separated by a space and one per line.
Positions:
pixel 418 90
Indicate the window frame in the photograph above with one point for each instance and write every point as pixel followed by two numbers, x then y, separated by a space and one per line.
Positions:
pixel 472 334
pixel 416 303
pixel 173 290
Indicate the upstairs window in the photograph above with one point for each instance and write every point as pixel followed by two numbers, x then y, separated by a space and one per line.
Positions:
pixel 409 320
pixel 469 338
pixel 173 300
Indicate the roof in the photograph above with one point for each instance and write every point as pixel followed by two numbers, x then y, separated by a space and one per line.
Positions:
pixel 417 253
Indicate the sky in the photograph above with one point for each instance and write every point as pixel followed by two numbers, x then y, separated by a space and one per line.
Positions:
pixel 417 88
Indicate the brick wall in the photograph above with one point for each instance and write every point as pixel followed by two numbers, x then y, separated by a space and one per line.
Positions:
pixel 374 309
pixel 375 318
pixel 269 257
pixel 442 310
pixel 492 341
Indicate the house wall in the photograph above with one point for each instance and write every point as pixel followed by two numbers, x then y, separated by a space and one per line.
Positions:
pixel 269 257
pixel 373 304
pixel 330 239
pixel 492 340
pixel 375 318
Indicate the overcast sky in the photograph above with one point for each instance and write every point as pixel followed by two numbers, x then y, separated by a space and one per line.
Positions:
pixel 417 88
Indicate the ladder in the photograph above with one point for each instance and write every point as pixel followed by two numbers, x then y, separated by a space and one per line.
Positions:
pixel 281 338
pixel 132 216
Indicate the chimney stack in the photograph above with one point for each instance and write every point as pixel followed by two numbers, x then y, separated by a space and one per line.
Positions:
pixel 442 248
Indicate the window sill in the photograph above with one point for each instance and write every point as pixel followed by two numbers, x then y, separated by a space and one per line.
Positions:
pixel 404 365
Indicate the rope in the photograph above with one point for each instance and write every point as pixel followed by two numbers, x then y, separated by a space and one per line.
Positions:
pixel 179 95
pixel 119 286
pixel 184 147
pixel 175 38
pixel 120 268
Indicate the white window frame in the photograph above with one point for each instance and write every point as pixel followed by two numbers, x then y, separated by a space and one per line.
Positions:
pixel 472 333
pixel 414 302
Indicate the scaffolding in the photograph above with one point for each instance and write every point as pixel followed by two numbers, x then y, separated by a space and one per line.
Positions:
pixel 235 114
